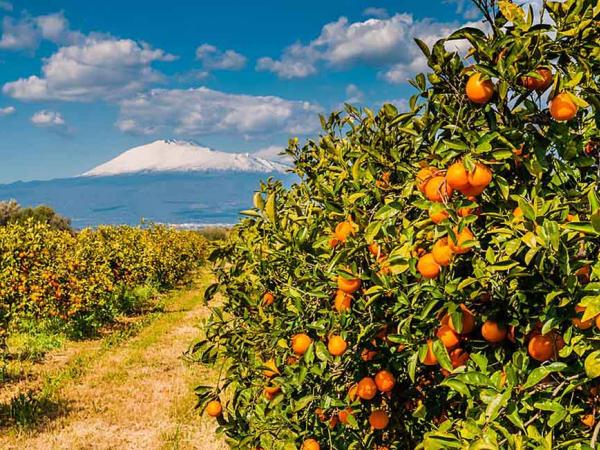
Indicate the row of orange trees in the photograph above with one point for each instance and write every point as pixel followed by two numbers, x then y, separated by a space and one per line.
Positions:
pixel 81 280
pixel 433 279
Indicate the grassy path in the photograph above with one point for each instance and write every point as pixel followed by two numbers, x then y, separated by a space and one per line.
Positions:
pixel 136 393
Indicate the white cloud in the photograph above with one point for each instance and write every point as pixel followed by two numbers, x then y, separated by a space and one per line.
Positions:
pixel 212 58
pixel 27 32
pixel 203 111
pixel 51 120
pixel 379 13
pixel 6 6
pixel 98 68
pixel 297 61
pixel 354 94
pixel 7 111
pixel 273 153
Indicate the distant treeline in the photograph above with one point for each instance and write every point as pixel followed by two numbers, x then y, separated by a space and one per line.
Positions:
pixel 12 212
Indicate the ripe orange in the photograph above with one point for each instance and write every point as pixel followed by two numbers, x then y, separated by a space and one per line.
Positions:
pixel 456 176
pixel 342 301
pixel 366 389
pixel 336 345
pixel 268 299
pixel 493 332
pixel 311 444
pixel 437 190
pixel 464 212
pixel 588 420
pixel 271 369
pixel 562 108
pixel 430 359
pixel 427 266
pixel 578 323
pixel 479 91
pixel 423 176
pixel 472 191
pixel 438 216
pixel 385 381
pixel 543 347
pixel 480 176
pixel 448 336
pixel 538 84
pixel 343 230
pixel 468 320
pixel 349 286
pixel 374 249
pixel 344 415
pixel 461 237
pixel 300 343
pixel 442 253
pixel 518 212
pixel 458 357
pixel 379 419
pixel 214 408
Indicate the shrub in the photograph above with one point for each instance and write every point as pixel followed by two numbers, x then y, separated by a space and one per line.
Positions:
pixel 12 212
pixel 489 337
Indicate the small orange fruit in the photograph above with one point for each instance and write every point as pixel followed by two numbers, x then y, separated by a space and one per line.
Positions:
pixel 437 189
pixel 349 286
pixel 300 343
pixel 214 408
pixel 343 230
pixel 456 176
pixel 344 415
pixel 336 345
pixel 442 253
pixel 464 212
pixel 493 332
pixel 538 84
pixel 480 176
pixel 430 359
pixel 468 320
pixel 562 108
pixel 578 323
pixel 379 419
pixel 427 266
pixel 448 336
pixel 438 216
pixel 268 299
pixel 374 249
pixel 458 357
pixel 271 369
pixel 543 347
pixel 423 176
pixel 472 191
pixel 518 212
pixel 367 389
pixel 461 237
pixel 385 381
pixel 342 301
pixel 479 91
pixel 311 444
pixel 588 420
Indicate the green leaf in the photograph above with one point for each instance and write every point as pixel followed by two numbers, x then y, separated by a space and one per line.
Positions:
pixel 539 373
pixel 592 364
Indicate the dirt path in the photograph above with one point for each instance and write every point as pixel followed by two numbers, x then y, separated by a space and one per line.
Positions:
pixel 137 395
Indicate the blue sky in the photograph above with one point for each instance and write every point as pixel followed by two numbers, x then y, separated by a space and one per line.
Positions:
pixel 83 81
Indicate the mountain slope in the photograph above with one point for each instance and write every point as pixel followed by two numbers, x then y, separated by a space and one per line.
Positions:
pixel 182 156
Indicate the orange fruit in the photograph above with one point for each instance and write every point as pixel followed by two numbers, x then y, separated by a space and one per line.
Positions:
pixel 480 176
pixel 472 191
pixel 493 332
pixel 336 345
pixel 271 369
pixel 439 216
pixel 379 419
pixel 272 390
pixel 311 444
pixel 543 347
pixel 374 249
pixel 437 190
pixel 588 420
pixel 430 359
pixel 366 389
pixel 342 301
pixel 479 91
pixel 458 357
pixel 385 381
pixel 427 266
pixel 461 237
pixel 344 415
pixel 468 320
pixel 300 343
pixel 538 84
pixel 442 253
pixel 214 408
pixel 456 176
pixel 518 212
pixel 598 322
pixel 349 286
pixel 343 230
pixel 562 108
pixel 578 323
pixel 423 176
pixel 268 299
pixel 464 212
pixel 448 336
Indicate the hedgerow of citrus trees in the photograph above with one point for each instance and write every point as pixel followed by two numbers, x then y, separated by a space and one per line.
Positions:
pixel 79 280
pixel 433 279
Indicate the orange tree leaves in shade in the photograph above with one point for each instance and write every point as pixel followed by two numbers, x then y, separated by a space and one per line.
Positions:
pixel 482 348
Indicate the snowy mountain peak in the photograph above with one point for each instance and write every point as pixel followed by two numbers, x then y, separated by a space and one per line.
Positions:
pixel 182 156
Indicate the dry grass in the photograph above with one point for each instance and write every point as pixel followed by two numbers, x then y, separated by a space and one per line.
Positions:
pixel 138 394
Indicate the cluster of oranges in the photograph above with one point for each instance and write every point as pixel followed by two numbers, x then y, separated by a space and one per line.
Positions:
pixel 480 90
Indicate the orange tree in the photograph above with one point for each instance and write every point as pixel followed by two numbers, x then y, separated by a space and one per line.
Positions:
pixel 432 280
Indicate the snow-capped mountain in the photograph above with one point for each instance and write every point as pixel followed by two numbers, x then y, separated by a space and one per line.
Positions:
pixel 182 156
